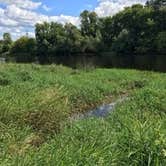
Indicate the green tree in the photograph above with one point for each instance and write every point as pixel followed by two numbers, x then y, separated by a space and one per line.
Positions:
pixel 42 32
pixel 73 39
pixel 50 39
pixel 140 24
pixel 56 39
pixel 90 29
pixel 107 31
pixel 89 24
pixel 7 42
pixel 24 49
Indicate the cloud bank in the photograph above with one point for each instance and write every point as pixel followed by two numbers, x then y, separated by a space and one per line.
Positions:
pixel 19 16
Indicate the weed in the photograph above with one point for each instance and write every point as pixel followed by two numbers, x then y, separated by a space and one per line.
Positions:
pixel 4 80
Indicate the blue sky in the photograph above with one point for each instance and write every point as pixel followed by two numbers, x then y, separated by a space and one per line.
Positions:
pixel 20 16
pixel 68 7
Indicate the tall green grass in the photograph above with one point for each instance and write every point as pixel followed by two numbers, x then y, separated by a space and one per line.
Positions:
pixel 36 102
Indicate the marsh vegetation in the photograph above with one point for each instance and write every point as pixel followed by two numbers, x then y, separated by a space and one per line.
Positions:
pixel 36 103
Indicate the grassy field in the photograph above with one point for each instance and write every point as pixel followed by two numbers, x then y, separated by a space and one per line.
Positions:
pixel 37 101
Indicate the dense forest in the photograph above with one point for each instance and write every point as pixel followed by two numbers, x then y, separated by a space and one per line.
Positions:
pixel 133 38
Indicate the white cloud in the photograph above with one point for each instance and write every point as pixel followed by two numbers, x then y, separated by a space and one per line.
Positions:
pixel 111 7
pixel 46 8
pixel 65 19
pixel 18 20
pixel 30 18
pixel 24 17
pixel 5 21
pixel 26 4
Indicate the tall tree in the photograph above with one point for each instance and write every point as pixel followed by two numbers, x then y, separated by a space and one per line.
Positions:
pixel 42 32
pixel 7 41
pixel 73 39
pixel 89 24
pixel 50 39
pixel 107 31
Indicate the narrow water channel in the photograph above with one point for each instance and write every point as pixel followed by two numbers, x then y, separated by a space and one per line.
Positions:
pixel 100 112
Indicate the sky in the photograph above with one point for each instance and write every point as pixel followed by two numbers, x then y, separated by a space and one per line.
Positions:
pixel 18 17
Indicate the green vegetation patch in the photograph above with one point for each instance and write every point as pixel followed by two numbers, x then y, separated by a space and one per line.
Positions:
pixel 4 80
pixel 35 109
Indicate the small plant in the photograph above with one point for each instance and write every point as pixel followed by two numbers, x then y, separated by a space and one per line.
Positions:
pixel 4 81
pixel 139 83
pixel 24 76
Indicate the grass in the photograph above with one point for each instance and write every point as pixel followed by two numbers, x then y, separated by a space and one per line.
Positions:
pixel 37 101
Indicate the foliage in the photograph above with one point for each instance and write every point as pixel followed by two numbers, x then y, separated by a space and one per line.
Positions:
pixel 50 40
pixel 123 43
pixel 7 41
pixel 156 3
pixel 89 24
pixel 73 39
pixel 24 49
pixel 161 42
pixel 5 44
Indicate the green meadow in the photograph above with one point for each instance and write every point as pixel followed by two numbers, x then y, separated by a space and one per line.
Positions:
pixel 37 103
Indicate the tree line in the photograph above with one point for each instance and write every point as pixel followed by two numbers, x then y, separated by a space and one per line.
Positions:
pixel 137 32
